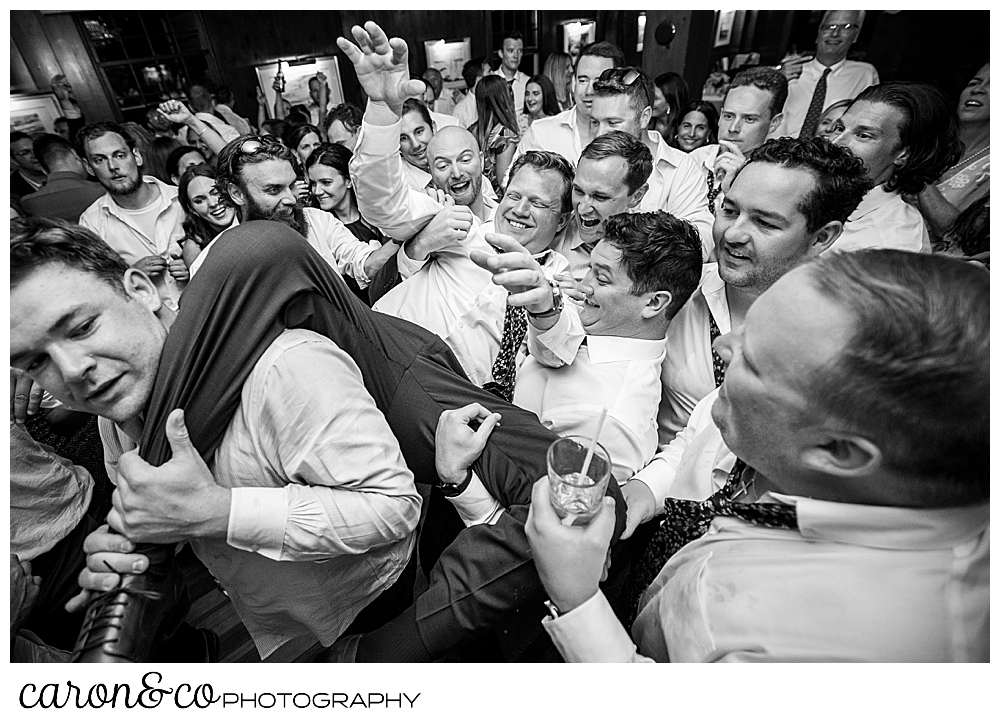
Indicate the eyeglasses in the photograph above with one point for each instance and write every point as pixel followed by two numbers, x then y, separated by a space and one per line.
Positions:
pixel 624 77
pixel 842 27
pixel 255 144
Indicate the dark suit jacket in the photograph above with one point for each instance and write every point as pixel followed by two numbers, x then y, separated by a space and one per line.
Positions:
pixel 65 196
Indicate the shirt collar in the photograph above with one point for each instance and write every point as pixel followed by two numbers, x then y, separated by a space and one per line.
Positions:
pixel 893 528
pixel 819 67
pixel 168 195
pixel 610 349
pixel 664 153
pixel 873 200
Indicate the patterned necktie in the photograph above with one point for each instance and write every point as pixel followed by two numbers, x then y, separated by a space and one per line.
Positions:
pixel 815 108
pixel 515 326
pixel 718 365
pixel 510 89
pixel 687 520
pixel 713 191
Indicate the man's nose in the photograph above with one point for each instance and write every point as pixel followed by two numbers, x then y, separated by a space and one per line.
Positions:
pixel 74 365
pixel 521 207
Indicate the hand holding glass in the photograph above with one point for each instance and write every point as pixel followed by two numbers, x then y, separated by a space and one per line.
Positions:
pixel 576 496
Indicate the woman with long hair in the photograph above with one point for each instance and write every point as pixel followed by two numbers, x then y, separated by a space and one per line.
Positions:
pixel 671 94
pixel 698 126
pixel 559 69
pixel 206 214
pixel 160 149
pixel 496 128
pixel 539 98
pixel 302 139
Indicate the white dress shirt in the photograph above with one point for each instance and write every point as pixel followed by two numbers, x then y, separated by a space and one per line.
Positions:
pixel 323 506
pixel 567 383
pixel 518 86
pixel 678 187
pixel 338 246
pixel 845 82
pixel 557 133
pixel 853 583
pixel 884 220
pixel 466 110
pixel 687 371
pixel 117 227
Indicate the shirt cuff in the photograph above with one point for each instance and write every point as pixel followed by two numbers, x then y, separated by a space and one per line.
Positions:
pixel 590 633
pixel 657 476
pixel 382 137
pixel 406 266
pixel 476 506
pixel 257 518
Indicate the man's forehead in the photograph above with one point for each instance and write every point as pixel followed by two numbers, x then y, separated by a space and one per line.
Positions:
pixel 611 106
pixel 607 172
pixel 840 16
pixel 546 185
pixel 593 65
pixel 873 115
pixel 107 140
pixel 412 120
pixel 512 43
pixel 747 99
pixel 771 189
pixel 452 141
pixel 273 170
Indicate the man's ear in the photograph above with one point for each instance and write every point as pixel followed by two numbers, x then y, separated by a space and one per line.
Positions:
pixel 824 238
pixel 901 158
pixel 658 301
pixel 635 198
pixel 137 155
pixel 236 193
pixel 843 455
pixel 775 122
pixel 141 288
pixel 563 220
pixel 645 116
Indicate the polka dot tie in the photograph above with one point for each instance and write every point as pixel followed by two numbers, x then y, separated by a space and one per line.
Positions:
pixel 515 326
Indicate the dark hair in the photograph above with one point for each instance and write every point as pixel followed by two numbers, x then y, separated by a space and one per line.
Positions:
pixel 49 148
pixel 676 92
pixel 232 161
pixel 35 242
pixel 160 150
pixel 548 161
pixel 173 161
pixel 914 377
pixel 60 119
pixel 708 110
pixel 273 127
pixel 334 155
pixel 295 133
pixel 224 95
pixel 603 49
pixel 494 105
pixel 432 76
pixel 636 155
pixel 511 35
pixel 841 178
pixel 472 70
pixel 640 91
pixel 660 252
pixel 200 98
pixel 298 115
pixel 550 103
pixel 16 136
pixel 94 131
pixel 195 227
pixel 412 105
pixel 767 79
pixel 929 130
pixel 348 114
pixel 971 230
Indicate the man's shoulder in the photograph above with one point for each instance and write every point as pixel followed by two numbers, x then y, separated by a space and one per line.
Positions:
pixel 705 156
pixel 859 67
pixel 560 122
pixel 90 218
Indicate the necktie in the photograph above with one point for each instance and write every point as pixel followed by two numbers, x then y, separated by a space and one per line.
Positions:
pixel 713 191
pixel 687 520
pixel 718 365
pixel 816 106
pixel 510 89
pixel 515 325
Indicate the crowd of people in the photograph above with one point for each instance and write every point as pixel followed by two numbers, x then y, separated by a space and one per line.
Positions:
pixel 330 355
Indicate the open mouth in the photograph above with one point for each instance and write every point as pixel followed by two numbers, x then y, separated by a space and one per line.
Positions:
pixel 459 187
pixel 590 223
pixel 516 225
pixel 973 104
pixel 736 255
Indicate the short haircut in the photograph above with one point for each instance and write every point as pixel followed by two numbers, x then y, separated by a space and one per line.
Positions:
pixel 348 114
pixel 860 15
pixel 200 98
pixel 173 161
pixel 432 76
pixel 929 130
pixel 60 119
pixel 36 242
pixel 16 136
pixel 914 378
pixel 767 79
pixel 50 148
pixel 511 35
pixel 472 70
pixel 603 49
pixel 96 130
pixel 224 95
pixel 708 110
pixel 841 178
pixel 233 159
pixel 412 105
pixel 640 90
pixel 634 152
pixel 660 252
pixel 548 161
pixel 273 127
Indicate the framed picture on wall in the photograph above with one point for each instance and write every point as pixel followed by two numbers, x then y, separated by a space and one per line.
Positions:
pixel 449 56
pixel 724 29
pixel 297 75
pixel 576 34
pixel 33 113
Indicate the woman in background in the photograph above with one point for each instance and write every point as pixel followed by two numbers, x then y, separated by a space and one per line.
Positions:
pixel 559 69
pixel 303 139
pixel 539 100
pixel 830 116
pixel 206 215
pixel 159 151
pixel 496 128
pixel 698 126
pixel 671 94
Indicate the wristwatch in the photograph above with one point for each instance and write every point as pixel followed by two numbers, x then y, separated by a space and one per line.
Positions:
pixel 451 490
pixel 557 303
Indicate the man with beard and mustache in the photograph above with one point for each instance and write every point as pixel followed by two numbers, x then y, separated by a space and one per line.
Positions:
pixel 256 176
pixel 139 216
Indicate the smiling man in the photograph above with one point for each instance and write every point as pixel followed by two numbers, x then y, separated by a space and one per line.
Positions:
pixel 907 136
pixel 511 51
pixel 789 202
pixel 841 472
pixel 139 217
pixel 817 83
